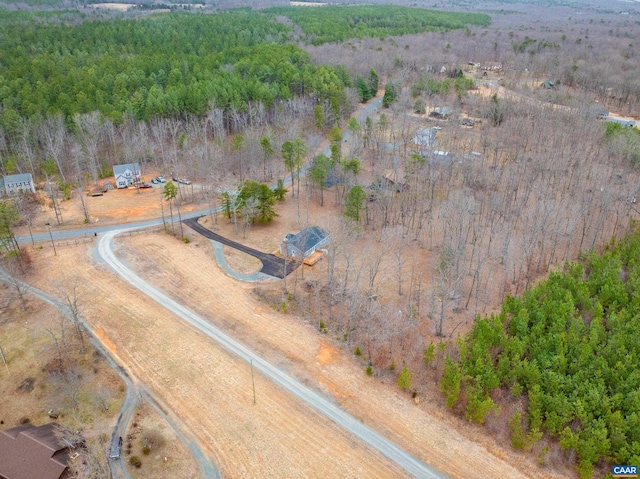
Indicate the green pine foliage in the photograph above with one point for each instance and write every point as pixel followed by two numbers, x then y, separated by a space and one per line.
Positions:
pixel 390 94
pixel 262 197
pixel 355 203
pixel 339 23
pixel 404 379
pixel 168 64
pixel 572 346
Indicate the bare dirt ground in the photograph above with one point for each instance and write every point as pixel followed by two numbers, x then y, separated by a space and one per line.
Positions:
pixel 211 391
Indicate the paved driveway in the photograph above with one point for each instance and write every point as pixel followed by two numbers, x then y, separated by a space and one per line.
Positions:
pixel 272 265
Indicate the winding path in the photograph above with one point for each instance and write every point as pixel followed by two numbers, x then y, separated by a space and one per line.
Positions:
pixel 390 450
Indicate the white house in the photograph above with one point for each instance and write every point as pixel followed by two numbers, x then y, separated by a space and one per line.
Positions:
pixel 127 174
pixel 14 184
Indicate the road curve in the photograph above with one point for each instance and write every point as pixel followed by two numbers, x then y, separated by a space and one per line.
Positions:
pixel 403 459
pixel 118 469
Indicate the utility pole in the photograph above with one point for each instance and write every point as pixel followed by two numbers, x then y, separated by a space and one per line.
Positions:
pixel 55 253
pixel 7 366
pixel 253 384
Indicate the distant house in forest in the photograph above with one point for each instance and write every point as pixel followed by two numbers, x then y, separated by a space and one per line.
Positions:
pixel 127 174
pixel 440 112
pixel 305 243
pixel 28 452
pixel 492 66
pixel 14 184
pixel 395 180
pixel 425 137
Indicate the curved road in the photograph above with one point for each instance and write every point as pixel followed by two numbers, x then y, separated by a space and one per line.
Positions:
pixel 118 468
pixel 315 400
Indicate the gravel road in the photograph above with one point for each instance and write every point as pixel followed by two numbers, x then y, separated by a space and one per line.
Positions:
pixel 403 459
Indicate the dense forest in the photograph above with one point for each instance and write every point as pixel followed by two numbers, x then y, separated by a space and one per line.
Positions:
pixel 225 99
pixel 571 347
pixel 164 65
pixel 335 24
pixel 171 65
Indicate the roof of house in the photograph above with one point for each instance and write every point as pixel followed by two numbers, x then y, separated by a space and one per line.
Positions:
pixel 395 176
pixel 19 178
pixel 307 238
pixel 29 451
pixel 441 111
pixel 122 169
pixel 425 136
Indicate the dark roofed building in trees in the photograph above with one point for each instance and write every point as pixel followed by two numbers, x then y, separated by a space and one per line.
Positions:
pixel 303 244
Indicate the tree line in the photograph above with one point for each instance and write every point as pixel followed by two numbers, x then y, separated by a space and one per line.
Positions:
pixel 340 23
pixel 171 65
pixel 570 346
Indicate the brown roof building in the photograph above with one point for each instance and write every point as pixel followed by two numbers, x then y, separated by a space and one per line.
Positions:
pixel 29 452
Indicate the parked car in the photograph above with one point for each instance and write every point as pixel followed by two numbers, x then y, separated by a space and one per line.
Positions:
pixel 183 181
pixel 146 185
pixel 467 122
pixel 155 181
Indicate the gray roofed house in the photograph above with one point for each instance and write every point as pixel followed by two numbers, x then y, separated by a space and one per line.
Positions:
pixel 425 137
pixel 29 452
pixel 14 184
pixel 126 174
pixel 441 112
pixel 305 243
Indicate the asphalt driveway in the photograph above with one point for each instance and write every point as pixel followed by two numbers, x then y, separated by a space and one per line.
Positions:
pixel 272 265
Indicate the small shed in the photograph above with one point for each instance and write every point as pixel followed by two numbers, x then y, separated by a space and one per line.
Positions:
pixel 395 180
pixel 14 184
pixel 127 174
pixel 304 243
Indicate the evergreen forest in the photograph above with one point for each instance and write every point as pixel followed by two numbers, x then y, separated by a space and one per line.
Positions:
pixel 336 24
pixel 570 347
pixel 176 64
